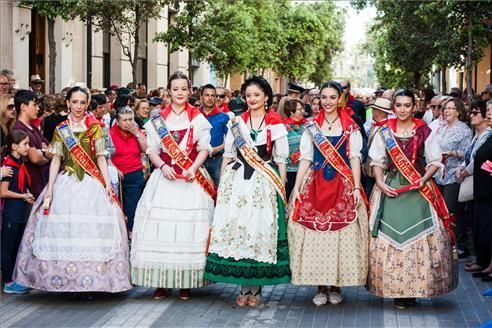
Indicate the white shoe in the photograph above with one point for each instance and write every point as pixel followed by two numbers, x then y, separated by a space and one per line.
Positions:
pixel 320 299
pixel 335 298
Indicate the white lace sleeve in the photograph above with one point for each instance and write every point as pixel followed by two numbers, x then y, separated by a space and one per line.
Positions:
pixel 377 152
pixel 306 147
pixel 229 146
pixel 281 150
pixel 203 128
pixel 153 142
pixel 355 144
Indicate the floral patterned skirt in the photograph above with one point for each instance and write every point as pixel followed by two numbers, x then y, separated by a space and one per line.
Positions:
pixel 249 236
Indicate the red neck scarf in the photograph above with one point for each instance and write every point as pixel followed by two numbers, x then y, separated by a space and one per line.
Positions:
pixel 271 118
pixel 23 173
pixel 392 123
pixel 345 119
pixel 290 120
pixel 192 112
pixel 212 113
pixel 380 123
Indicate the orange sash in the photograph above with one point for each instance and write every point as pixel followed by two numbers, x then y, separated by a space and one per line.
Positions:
pixel 82 158
pixel 429 191
pixel 183 161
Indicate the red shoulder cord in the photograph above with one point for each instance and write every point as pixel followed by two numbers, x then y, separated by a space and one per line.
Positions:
pixel 269 140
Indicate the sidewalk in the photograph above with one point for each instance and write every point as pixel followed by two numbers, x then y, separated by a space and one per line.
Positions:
pixel 284 306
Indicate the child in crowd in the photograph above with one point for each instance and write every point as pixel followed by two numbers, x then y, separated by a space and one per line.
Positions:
pixel 16 206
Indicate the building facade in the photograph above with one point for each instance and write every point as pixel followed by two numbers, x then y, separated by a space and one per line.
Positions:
pixel 86 56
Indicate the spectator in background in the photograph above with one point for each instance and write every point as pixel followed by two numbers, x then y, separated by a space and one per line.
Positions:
pixel 7 117
pixel 51 121
pixel 315 107
pixel 482 193
pixel 438 121
pixel 487 93
pixel 141 92
pixel 221 100
pixel 218 120
pixel 294 90
pixel 432 110
pixel 428 94
pixel 129 143
pixel 110 94
pixel 350 101
pixel 294 109
pixel 38 163
pixel 10 75
pixel 4 84
pixel 142 112
pixel 100 109
pixel 155 104
pixel 276 101
pixel 36 84
pixel 454 139
pixel 482 133
pixel 237 105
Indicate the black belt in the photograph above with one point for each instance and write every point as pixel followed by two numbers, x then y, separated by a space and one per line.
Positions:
pixel 217 155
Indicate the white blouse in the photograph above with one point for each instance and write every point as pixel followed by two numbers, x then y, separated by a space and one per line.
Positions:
pixel 379 156
pixel 307 147
pixel 201 134
pixel 280 149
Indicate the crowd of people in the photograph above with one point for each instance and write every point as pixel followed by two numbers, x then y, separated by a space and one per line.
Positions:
pixel 180 187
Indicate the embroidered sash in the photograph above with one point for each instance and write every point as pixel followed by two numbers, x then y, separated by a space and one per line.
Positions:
pixel 337 220
pixel 184 162
pixel 82 158
pixel 429 191
pixel 256 162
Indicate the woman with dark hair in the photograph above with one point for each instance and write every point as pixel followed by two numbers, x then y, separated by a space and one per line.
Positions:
pixel 315 106
pixel 172 218
pixel 482 195
pixel 454 139
pixel 410 254
pixel 328 231
pixel 478 119
pixel 248 243
pixel 75 239
pixel 142 112
pixel 294 123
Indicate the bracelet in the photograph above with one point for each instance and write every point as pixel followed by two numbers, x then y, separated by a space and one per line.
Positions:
pixel 357 188
pixel 162 165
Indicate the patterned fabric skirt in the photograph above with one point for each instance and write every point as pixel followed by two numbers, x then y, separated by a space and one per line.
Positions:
pixel 251 272
pixel 170 234
pixel 80 246
pixel 423 267
pixel 335 258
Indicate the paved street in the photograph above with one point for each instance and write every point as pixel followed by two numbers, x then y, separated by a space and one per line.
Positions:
pixel 284 306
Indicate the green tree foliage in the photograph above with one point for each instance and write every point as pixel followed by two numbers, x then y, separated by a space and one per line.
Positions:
pixel 65 9
pixel 247 35
pixel 333 22
pixel 409 37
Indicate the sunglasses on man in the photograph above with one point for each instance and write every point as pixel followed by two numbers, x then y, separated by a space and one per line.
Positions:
pixel 221 96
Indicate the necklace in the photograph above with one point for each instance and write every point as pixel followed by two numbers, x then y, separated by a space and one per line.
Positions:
pixel 251 122
pixel 178 116
pixel 330 124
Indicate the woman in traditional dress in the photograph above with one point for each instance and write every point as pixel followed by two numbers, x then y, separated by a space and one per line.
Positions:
pixel 410 254
pixel 249 238
pixel 328 229
pixel 75 239
pixel 172 219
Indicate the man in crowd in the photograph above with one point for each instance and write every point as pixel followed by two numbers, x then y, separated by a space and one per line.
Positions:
pixel 37 85
pixel 4 84
pixel 350 101
pixel 141 92
pixel 10 75
pixel 221 100
pixel 294 90
pixel 25 102
pixel 218 120
pixel 380 111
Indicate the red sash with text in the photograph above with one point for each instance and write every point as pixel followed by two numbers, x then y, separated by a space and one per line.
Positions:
pixel 82 158
pixel 181 159
pixel 429 191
